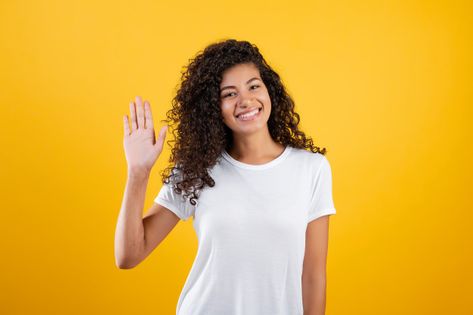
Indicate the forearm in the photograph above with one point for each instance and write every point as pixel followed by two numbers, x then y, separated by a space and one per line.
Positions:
pixel 314 295
pixel 129 233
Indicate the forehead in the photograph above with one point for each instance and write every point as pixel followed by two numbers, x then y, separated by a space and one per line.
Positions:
pixel 239 72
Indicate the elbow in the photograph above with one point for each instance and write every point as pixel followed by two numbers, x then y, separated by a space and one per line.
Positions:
pixel 125 263
pixel 125 266
pixel 126 256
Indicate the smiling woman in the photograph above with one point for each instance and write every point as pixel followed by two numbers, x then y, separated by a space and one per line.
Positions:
pixel 252 95
pixel 241 169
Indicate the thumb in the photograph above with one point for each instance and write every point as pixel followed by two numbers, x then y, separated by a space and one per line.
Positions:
pixel 161 138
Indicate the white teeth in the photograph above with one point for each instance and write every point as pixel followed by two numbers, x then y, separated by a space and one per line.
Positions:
pixel 250 114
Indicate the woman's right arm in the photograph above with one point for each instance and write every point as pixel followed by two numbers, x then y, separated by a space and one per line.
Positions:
pixel 135 236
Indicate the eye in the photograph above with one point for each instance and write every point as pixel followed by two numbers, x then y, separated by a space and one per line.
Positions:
pixel 228 94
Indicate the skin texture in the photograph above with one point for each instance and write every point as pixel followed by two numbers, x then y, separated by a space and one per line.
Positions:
pixel 136 237
pixel 314 268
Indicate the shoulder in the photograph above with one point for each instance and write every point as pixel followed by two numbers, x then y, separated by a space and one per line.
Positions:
pixel 306 157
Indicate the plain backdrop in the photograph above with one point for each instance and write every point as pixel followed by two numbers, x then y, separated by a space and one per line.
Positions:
pixel 385 86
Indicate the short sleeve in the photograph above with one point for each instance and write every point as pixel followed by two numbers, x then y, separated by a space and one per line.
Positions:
pixel 175 202
pixel 321 202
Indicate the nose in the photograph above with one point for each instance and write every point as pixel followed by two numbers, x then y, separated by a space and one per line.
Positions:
pixel 246 100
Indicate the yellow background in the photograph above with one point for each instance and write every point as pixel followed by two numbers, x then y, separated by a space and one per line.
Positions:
pixel 385 86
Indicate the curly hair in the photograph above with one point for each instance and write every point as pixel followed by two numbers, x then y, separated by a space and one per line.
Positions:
pixel 201 135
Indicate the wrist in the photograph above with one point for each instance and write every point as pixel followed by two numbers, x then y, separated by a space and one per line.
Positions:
pixel 138 173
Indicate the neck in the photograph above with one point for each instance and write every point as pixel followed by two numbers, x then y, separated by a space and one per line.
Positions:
pixel 256 148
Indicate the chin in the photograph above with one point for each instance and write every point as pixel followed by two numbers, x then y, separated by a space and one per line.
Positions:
pixel 250 128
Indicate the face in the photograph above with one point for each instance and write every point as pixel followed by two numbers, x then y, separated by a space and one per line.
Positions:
pixel 243 90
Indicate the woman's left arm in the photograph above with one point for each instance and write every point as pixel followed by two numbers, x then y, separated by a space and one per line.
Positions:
pixel 313 274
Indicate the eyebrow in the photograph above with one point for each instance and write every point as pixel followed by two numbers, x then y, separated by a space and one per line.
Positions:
pixel 232 86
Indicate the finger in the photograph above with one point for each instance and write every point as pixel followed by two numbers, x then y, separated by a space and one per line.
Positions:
pixel 148 116
pixel 134 125
pixel 161 137
pixel 126 126
pixel 140 113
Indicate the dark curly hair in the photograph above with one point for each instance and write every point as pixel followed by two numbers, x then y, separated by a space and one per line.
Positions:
pixel 201 135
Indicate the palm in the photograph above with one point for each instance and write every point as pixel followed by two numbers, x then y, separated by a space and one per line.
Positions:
pixel 141 148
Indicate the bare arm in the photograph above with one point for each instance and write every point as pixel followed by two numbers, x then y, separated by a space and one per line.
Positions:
pixel 314 267
pixel 129 232
pixel 137 237
pixel 132 230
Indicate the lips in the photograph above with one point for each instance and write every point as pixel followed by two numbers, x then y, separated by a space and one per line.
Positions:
pixel 247 111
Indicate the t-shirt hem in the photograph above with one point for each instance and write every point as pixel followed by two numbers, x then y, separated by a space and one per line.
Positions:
pixel 321 214
pixel 170 206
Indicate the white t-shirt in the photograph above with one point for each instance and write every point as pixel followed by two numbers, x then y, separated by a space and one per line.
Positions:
pixel 251 230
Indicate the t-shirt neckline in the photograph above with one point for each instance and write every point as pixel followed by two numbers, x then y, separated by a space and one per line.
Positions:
pixel 263 166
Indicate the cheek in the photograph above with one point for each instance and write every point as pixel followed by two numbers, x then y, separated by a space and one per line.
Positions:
pixel 264 96
pixel 224 106
pixel 267 101
pixel 226 109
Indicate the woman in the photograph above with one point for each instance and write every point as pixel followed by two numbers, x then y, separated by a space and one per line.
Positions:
pixel 260 201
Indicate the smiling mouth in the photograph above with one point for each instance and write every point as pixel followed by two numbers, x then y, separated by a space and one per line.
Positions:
pixel 245 117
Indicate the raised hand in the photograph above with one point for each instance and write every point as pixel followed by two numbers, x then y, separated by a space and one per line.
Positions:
pixel 141 148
